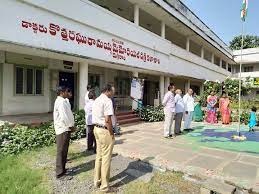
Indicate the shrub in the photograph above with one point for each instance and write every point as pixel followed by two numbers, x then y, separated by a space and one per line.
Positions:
pixel 15 139
pixel 80 124
pixel 151 113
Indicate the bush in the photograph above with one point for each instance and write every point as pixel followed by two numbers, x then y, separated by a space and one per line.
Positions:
pixel 80 124
pixel 151 113
pixel 15 139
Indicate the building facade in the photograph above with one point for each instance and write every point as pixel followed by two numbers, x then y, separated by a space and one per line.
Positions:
pixel 250 68
pixel 50 43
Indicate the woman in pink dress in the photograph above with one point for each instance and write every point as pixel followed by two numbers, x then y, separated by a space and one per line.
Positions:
pixel 224 103
pixel 211 108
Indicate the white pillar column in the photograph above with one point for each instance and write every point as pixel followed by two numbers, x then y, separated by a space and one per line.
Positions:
pixel 202 52
pixel 212 58
pixel 134 102
pixel 136 14
pixel 83 82
pixel 163 29
pixel 162 87
pixel 220 62
pixel 135 74
pixel 188 44
pixel 187 85
pixel 227 66
pixel 167 82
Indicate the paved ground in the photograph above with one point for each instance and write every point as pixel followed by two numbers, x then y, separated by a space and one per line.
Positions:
pixel 199 153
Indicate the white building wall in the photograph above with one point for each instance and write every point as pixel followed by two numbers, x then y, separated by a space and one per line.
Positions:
pixel 13 104
pixel 107 30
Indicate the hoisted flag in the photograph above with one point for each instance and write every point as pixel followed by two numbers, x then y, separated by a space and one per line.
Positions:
pixel 244 10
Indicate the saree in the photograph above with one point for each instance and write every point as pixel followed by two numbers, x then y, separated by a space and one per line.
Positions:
pixel 211 109
pixel 224 110
pixel 197 114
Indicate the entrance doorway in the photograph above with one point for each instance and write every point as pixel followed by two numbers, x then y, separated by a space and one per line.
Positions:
pixel 94 81
pixel 196 89
pixel 68 80
pixel 151 89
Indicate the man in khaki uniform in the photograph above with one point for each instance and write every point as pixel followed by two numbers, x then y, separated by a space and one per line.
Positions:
pixel 101 116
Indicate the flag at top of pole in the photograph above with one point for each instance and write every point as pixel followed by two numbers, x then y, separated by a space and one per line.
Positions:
pixel 244 10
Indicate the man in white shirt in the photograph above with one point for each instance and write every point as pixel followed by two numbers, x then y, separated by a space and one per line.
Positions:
pixel 63 124
pixel 89 87
pixel 169 110
pixel 179 110
pixel 189 108
pixel 101 115
pixel 91 142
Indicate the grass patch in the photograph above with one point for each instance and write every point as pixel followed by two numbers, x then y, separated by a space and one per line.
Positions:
pixel 18 177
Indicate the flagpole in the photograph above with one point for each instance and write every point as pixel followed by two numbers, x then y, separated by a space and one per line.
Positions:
pixel 240 81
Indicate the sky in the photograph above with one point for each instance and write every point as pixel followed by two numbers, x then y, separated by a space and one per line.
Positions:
pixel 223 16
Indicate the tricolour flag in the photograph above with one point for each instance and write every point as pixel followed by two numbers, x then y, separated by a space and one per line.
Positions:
pixel 244 10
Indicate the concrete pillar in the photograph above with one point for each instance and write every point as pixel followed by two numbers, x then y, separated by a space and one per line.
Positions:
pixel 134 102
pixel 136 14
pixel 162 87
pixel 212 58
pixel 188 44
pixel 220 62
pixel 167 82
pixel 83 82
pixel 135 74
pixel 163 29
pixel 202 52
pixel 187 85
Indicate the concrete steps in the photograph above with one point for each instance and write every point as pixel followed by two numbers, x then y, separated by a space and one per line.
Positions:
pixel 129 117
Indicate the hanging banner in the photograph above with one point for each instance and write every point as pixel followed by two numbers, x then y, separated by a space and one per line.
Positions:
pixel 136 91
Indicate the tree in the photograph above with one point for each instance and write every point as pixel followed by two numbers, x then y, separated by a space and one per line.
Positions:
pixel 249 42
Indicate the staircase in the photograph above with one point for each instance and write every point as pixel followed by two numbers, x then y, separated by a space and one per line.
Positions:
pixel 128 117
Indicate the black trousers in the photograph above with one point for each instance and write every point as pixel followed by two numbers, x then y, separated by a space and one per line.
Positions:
pixel 62 150
pixel 91 141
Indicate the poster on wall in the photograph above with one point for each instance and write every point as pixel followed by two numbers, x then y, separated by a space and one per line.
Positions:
pixel 136 91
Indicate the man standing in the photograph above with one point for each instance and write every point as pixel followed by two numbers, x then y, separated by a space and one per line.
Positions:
pixel 89 87
pixel 179 110
pixel 102 113
pixel 169 110
pixel 63 124
pixel 189 108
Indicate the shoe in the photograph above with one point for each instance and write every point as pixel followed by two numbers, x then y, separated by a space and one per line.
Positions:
pixel 169 137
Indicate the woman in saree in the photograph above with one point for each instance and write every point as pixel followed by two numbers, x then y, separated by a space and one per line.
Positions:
pixel 211 108
pixel 224 103
pixel 198 115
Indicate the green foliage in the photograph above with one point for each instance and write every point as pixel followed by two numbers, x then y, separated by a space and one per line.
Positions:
pixel 15 139
pixel 249 42
pixel 231 87
pixel 80 124
pixel 209 86
pixel 151 113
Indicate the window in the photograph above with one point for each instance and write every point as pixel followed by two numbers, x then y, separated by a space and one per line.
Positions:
pixel 19 80
pixel 229 68
pixel 122 86
pixel 224 65
pixel 249 69
pixel 28 81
